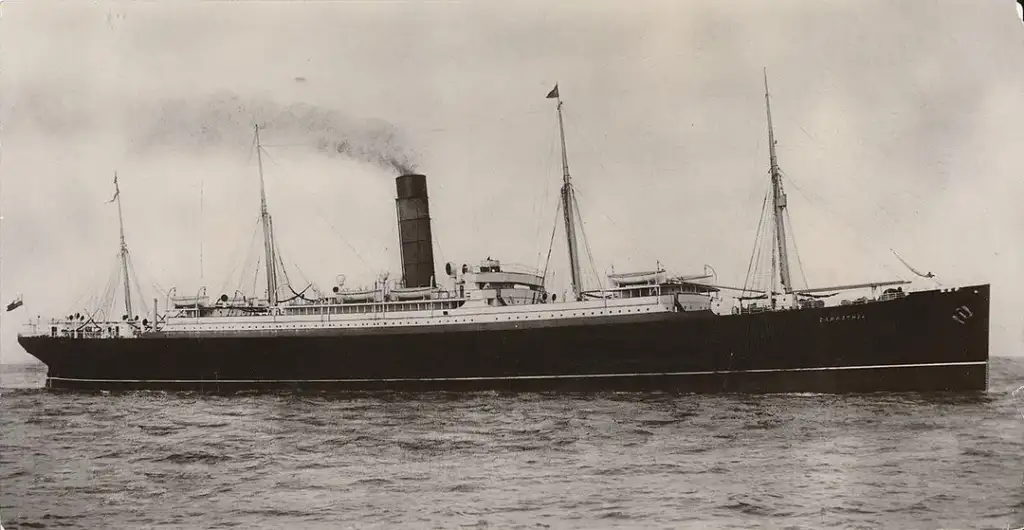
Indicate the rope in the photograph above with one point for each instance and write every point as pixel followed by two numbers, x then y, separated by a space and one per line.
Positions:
pixel 109 299
pixel 748 279
pixel 536 265
pixel 106 301
pixel 241 276
pixel 586 243
pixel 548 164
pixel 138 286
pixel 846 226
pixel 796 250
pixel 86 291
pixel 280 260
pixel 650 257
pixel 340 236
pixel 304 278
pixel 255 275
pixel 551 244
pixel 159 289
pixel 201 268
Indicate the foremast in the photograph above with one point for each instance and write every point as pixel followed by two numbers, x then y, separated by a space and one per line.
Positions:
pixel 268 230
pixel 124 253
pixel 778 200
pixel 568 201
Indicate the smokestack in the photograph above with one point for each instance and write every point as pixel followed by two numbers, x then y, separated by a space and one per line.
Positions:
pixel 414 235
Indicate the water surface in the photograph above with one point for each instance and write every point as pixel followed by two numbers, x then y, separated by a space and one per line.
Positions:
pixel 491 460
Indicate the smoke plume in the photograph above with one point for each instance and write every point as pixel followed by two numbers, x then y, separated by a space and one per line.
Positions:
pixel 222 122
pixel 227 120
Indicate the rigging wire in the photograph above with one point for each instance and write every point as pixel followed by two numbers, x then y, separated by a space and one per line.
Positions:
pixel 273 240
pixel 586 243
pixel 106 300
pixel 84 293
pixel 242 273
pixel 242 176
pixel 301 274
pixel 551 244
pixel 156 287
pixel 344 240
pixel 277 247
pixel 928 276
pixel 639 249
pixel 548 164
pixel 767 249
pixel 280 260
pixel 809 196
pixel 775 259
pixel 201 268
pixel 558 206
pixel 756 250
pixel 881 207
pixel 138 286
pixel 792 235
pixel 255 276
pixel 88 293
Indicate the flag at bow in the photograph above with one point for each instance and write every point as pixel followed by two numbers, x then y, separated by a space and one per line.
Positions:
pixel 15 304
pixel 554 92
pixel 117 191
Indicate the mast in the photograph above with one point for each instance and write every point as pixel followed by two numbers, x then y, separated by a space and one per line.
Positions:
pixel 268 229
pixel 567 204
pixel 778 200
pixel 124 252
pixel 200 230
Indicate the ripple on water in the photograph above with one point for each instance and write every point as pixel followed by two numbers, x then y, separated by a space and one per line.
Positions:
pixel 139 459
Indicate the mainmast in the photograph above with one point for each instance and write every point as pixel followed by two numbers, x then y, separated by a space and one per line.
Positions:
pixel 567 204
pixel 778 200
pixel 124 252
pixel 268 230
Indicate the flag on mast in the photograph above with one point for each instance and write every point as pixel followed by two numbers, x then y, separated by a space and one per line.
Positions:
pixel 554 91
pixel 117 191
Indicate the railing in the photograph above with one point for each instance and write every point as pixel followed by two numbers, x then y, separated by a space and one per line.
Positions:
pixel 77 329
pixel 380 308
pixel 611 292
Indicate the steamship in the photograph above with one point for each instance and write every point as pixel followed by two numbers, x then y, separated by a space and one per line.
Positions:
pixel 490 326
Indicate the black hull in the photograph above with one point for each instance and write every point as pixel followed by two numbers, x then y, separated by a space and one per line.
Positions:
pixel 925 342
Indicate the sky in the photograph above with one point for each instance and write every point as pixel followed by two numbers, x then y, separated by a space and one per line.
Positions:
pixel 897 124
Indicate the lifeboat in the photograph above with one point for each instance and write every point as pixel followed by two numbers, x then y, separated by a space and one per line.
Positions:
pixel 364 295
pixel 181 302
pixel 637 278
pixel 410 293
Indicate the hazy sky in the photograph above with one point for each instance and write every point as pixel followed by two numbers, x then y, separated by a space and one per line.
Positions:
pixel 898 126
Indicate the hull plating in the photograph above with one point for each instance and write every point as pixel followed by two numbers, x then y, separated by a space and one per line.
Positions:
pixel 923 342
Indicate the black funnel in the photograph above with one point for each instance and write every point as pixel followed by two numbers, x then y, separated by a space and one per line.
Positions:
pixel 416 242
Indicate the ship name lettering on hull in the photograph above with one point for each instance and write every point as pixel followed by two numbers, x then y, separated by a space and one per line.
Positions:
pixel 841 318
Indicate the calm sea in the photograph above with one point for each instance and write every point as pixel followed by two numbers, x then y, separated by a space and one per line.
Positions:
pixel 488 460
